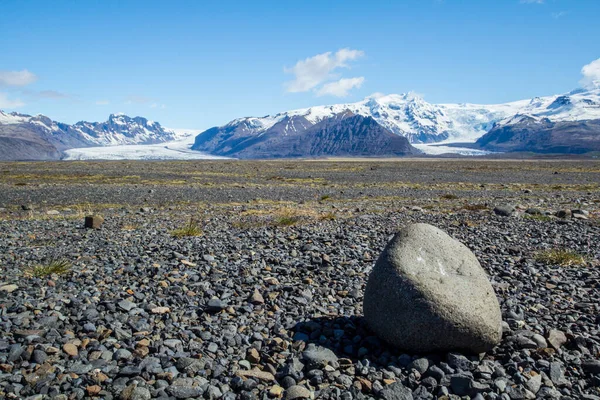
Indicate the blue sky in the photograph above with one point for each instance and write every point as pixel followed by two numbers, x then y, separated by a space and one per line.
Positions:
pixel 195 64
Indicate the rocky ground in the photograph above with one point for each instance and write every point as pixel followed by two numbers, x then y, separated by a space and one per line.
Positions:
pixel 263 299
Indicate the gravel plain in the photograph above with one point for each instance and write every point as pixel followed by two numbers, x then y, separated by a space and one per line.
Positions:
pixel 264 298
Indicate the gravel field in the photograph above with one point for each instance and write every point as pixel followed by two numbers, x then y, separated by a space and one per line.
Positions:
pixel 230 279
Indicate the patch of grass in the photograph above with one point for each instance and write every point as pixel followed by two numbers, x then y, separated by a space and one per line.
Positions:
pixel 449 196
pixel 286 220
pixel 190 229
pixel 538 217
pixel 475 207
pixel 327 216
pixel 564 258
pixel 57 266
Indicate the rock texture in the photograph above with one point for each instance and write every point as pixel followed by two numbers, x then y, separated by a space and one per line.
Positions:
pixel 428 292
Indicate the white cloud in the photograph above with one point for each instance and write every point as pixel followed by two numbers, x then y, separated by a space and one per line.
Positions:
pixel 102 102
pixel 340 88
pixel 17 78
pixel 591 75
pixel 313 71
pixel 5 102
pixel 533 1
pixel 375 95
pixel 559 14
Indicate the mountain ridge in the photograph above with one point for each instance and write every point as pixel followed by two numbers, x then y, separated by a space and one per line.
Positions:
pixel 27 137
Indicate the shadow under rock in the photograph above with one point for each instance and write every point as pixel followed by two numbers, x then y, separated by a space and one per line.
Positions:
pixel 350 337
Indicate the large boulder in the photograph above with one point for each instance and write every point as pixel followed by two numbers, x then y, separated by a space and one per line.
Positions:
pixel 428 292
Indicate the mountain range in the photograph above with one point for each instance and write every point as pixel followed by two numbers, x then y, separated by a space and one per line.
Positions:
pixel 377 126
pixel 26 137
pixel 411 117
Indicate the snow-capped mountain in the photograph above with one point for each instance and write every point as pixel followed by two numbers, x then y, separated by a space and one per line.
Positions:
pixel 578 105
pixel 407 115
pixel 422 122
pixel 567 123
pixel 119 129
pixel 342 134
pixel 19 131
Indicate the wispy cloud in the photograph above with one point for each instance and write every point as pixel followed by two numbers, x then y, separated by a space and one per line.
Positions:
pixel 560 14
pixel 317 70
pixel 533 1
pixel 17 78
pixel 5 102
pixel 591 75
pixel 102 102
pixel 340 88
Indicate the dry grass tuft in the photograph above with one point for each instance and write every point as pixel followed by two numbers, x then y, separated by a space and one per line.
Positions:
pixel 564 258
pixel 56 266
pixel 190 229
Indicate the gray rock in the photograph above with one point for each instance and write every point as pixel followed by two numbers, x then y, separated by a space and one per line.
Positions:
pixel 126 305
pixel 504 211
pixel 591 366
pixel 534 384
pixel 556 374
pixel 428 292
pixel 556 338
pixel 182 388
pixel 297 392
pixel 420 365
pixel 318 357
pixel 134 392
pixel 93 222
pixel 396 391
pixel 564 213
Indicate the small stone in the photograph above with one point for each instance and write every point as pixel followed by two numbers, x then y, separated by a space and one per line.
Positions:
pixel 591 366
pixel 317 357
pixel 93 222
pixel 564 213
pixel 556 338
pixel 135 392
pixel 276 391
pixel 396 391
pixel 126 305
pixel 504 211
pixel 215 305
pixel 255 373
pixel 256 298
pixel 8 288
pixel 297 392
pixel 534 384
pixel 161 310
pixel 93 390
pixel 420 365
pixel 253 356
pixel 71 349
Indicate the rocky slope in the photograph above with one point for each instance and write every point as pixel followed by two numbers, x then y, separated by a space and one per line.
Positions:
pixel 525 133
pixel 344 134
pixel 26 137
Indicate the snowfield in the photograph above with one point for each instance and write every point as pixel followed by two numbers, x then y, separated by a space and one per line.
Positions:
pixel 176 150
